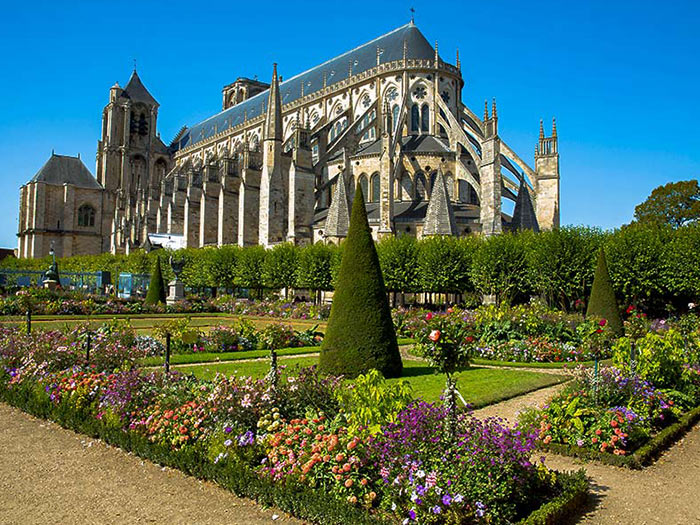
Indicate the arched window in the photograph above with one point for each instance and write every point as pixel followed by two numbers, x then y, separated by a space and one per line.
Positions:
pixel 370 133
pixel 415 118
pixel 420 184
pixel 86 216
pixel 364 184
pixel 394 116
pixel 376 185
pixel 425 118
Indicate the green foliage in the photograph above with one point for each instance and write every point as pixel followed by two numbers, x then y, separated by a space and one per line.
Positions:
pixel 222 266
pixel 371 402
pixel 661 359
pixel 602 302
pixel 156 288
pixel 674 204
pixel 680 270
pixel 249 269
pixel 444 264
pixel 635 256
pixel 499 266
pixel 398 257
pixel 360 333
pixel 280 267
pixel 561 264
pixel 314 267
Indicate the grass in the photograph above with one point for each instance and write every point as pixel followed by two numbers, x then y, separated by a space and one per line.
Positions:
pixel 479 386
pixel 144 323
pixel 216 357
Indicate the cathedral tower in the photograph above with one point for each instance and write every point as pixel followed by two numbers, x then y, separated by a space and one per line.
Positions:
pixel 547 169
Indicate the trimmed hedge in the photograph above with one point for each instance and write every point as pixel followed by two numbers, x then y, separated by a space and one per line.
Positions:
pixel 602 302
pixel 156 286
pixel 360 334
pixel 643 456
pixel 237 477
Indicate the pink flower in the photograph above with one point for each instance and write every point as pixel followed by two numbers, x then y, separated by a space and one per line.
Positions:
pixel 603 322
pixel 428 316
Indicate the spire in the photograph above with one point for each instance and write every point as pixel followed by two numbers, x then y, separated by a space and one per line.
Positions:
pixel 541 130
pixel 437 57
pixel 554 128
pixel 338 218
pixel 273 119
pixel 524 217
pixel 459 64
pixel 439 217
pixel 494 113
pixel 486 110
pixel 136 91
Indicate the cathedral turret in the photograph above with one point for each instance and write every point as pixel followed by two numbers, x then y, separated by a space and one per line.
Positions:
pixel 272 214
pixel 338 218
pixel 547 171
pixel 490 172
pixel 439 217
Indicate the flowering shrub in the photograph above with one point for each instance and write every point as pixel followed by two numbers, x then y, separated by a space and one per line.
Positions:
pixel 610 412
pixel 485 475
pixel 282 309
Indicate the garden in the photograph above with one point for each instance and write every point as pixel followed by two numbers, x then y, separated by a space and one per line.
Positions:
pixel 364 412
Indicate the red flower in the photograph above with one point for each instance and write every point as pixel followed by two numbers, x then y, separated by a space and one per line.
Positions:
pixel 469 339
pixel 630 309
pixel 435 336
pixel 428 316
pixel 603 322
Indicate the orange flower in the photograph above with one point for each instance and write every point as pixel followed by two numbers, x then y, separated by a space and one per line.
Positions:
pixel 435 336
pixel 348 483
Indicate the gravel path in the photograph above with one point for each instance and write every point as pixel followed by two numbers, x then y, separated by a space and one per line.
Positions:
pixel 668 492
pixel 52 475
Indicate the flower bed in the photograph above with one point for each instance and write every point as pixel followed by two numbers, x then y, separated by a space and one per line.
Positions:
pixel 522 334
pixel 290 446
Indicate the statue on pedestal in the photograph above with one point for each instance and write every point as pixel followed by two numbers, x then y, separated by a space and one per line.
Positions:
pixel 176 289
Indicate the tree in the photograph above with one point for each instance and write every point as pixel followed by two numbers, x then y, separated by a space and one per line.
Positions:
pixel 675 204
pixel 602 302
pixel 156 288
pixel 398 257
pixel 249 269
pixel 314 268
pixel 280 267
pixel 222 266
pixel 562 264
pixel 444 265
pixel 499 266
pixel 360 335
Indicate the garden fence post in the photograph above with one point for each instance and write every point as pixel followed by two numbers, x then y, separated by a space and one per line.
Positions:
pixel 29 321
pixel 167 353
pixel 87 348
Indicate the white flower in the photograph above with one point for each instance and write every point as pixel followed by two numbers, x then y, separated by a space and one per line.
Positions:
pixel 414 497
pixel 691 306
pixel 420 474
pixel 393 506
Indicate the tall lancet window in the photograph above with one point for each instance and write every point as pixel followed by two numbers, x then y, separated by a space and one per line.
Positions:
pixel 415 118
pixel 425 118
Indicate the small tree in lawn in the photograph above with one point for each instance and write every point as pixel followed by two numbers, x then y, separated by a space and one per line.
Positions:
pixel 156 288
pixel 446 342
pixel 602 302
pixel 360 333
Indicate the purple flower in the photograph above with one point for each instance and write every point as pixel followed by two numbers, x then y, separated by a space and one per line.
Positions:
pixel 228 430
pixel 436 509
pixel 412 514
pixel 447 500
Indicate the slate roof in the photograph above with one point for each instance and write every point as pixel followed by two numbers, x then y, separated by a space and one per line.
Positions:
pixel 62 169
pixel 335 70
pixel 524 217
pixel 136 91
pixel 410 144
pixel 439 217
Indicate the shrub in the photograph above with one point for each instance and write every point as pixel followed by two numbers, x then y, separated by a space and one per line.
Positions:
pixel 360 333
pixel 156 287
pixel 602 302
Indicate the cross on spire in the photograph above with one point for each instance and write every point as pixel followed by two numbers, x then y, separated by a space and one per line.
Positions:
pixel 413 15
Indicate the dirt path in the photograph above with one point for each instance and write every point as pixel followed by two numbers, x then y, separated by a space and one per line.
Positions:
pixel 667 492
pixel 52 475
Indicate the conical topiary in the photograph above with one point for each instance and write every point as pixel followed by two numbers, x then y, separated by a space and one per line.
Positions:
pixel 360 333
pixel 156 288
pixel 602 302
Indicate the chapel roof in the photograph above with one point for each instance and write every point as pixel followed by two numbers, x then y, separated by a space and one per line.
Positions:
pixel 362 58
pixel 136 91
pixel 63 169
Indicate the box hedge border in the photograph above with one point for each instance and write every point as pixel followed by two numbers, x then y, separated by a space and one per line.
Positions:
pixel 643 456
pixel 237 476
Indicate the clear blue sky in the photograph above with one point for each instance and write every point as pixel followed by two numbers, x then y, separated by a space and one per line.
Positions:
pixel 622 78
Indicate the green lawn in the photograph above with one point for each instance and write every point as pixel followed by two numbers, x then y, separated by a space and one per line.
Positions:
pixel 144 323
pixel 479 386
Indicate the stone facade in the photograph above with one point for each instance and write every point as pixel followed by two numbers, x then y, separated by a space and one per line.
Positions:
pixel 387 116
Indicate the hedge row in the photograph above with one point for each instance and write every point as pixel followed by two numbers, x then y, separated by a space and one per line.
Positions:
pixel 654 267
pixel 236 476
